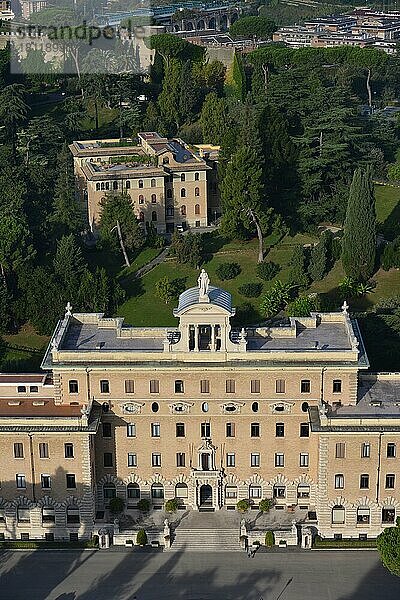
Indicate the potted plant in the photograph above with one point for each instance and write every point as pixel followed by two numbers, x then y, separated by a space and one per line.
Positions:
pixel 266 504
pixel 269 539
pixel 117 505
pixel 141 537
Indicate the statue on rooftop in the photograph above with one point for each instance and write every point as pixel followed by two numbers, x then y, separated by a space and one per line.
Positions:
pixel 204 282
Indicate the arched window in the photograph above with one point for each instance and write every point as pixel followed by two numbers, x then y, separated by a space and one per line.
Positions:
pixel 102 186
pixel 197 191
pixel 170 211
pixel 254 407
pixel 153 198
pixel 183 193
pixel 363 514
pixel 23 514
pixel 157 490
pixel 165 160
pixel 133 491
pixel 128 185
pixel 279 491
pixel 169 193
pixel 338 515
pixel 230 492
pixel 109 491
pixel 255 492
pixel 196 176
pixel 97 187
pixel 204 407
pixel 153 183
pixel 197 209
pixel 141 216
pixel 141 199
pixel 154 216
pixel 181 490
pixel 48 514
pixel 183 177
pixel 73 514
pixel 140 183
pixel 115 185
pixel 107 185
pixel 303 490
pixel 183 210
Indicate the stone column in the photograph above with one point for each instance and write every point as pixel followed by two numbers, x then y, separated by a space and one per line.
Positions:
pixel 196 338
pixel 212 337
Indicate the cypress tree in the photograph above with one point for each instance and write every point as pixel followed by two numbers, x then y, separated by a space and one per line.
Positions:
pixel 319 259
pixel 359 238
pixel 298 271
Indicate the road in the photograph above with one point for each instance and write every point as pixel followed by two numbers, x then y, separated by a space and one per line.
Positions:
pixel 114 575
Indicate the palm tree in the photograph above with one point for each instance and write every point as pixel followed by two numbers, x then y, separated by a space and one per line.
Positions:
pixel 13 110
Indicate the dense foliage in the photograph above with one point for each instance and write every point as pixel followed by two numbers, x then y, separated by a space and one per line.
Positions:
pixel 388 544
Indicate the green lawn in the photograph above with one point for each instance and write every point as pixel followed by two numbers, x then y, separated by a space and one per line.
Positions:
pixel 388 210
pixel 25 351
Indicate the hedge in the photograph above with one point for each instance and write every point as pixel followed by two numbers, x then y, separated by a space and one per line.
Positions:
pixel 329 543
pixel 39 544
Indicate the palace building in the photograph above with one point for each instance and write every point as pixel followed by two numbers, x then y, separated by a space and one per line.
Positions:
pixel 169 184
pixel 205 413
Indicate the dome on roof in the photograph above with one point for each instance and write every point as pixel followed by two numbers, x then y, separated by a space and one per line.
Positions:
pixel 217 296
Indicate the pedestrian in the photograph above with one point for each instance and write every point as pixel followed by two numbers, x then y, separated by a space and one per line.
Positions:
pixel 248 552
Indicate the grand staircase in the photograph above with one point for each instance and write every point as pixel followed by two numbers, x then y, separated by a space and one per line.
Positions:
pixel 205 540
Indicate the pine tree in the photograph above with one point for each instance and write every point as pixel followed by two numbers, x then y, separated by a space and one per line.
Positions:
pixel 359 238
pixel 67 216
pixel 69 265
pixel 319 261
pixel 298 272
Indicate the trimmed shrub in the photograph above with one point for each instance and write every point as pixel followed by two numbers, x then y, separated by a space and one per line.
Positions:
pixel 329 543
pixel 269 539
pixel 267 270
pixel 301 307
pixel 144 505
pixel 141 537
pixel 171 505
pixel 228 270
pixel 116 505
pixel 250 290
pixel 243 505
pixel 266 504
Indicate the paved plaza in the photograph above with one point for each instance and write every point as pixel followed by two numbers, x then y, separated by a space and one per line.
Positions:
pixel 135 575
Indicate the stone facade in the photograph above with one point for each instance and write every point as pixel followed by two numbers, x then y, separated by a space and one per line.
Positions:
pixel 204 413
pixel 168 183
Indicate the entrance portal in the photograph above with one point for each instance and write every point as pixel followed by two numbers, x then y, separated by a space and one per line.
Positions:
pixel 206 495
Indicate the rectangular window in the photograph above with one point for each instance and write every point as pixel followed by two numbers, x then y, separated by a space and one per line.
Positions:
pixel 279 459
pixel 230 459
pixel 340 450
pixel 255 430
pixel 104 386
pixel 304 430
pixel 205 430
pixel 20 481
pixel 389 482
pixel 204 386
pixel 46 482
pixel 70 479
pixel 155 430
pixel 49 537
pixel 279 491
pixel 255 459
pixel 24 537
pixel 21 389
pixel 73 386
pixel 305 386
pixel 339 482
pixel 179 389
pixel 255 386
pixel 230 430
pixel 391 450
pixel 33 389
pixel 106 430
pixel 180 430
pixel 280 430
pixel 108 459
pixel 230 386
pixel 255 491
pixel 388 515
pixel 129 386
pixel 180 459
pixel 18 450
pixel 365 450
pixel 231 491
pixel 363 514
pixel 132 459
pixel 23 515
pixel 43 450
pixel 130 430
pixel 69 450
pixel 154 386
pixel 337 386
pixel 303 459
pixel 156 459
pixel 280 386
pixel 364 482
